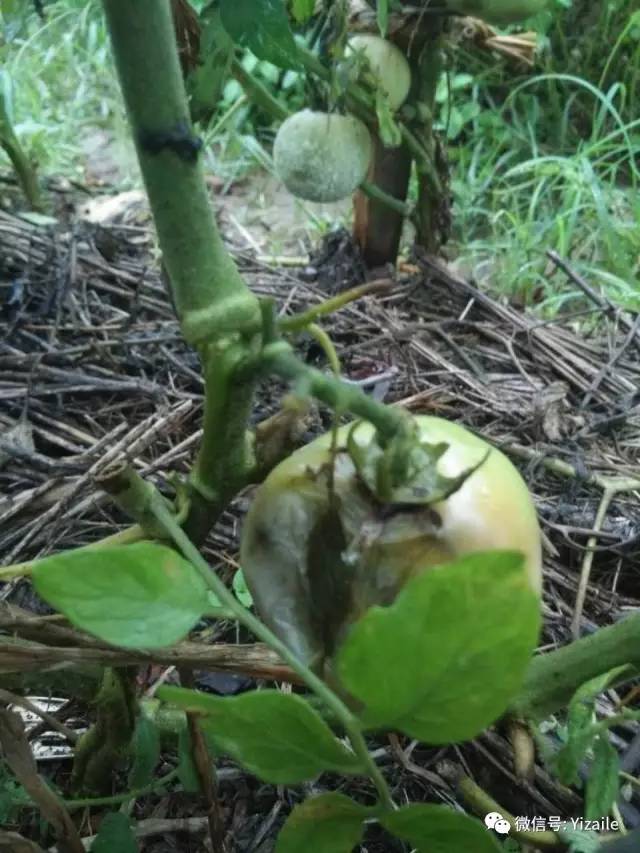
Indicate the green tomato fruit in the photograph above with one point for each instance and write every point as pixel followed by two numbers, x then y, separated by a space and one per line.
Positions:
pixel 389 65
pixel 315 563
pixel 500 12
pixel 321 156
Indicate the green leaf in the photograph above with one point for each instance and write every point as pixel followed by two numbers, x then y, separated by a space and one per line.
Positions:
pixel 591 689
pixel 383 17
pixel 115 834
pixel 330 823
pixel 581 729
pixel 439 829
pixel 276 736
pixel 444 660
pixel 136 596
pixel 206 82
pixel 263 27
pixel 302 10
pixel 603 785
pixel 146 751
pixel 571 755
pixel 241 590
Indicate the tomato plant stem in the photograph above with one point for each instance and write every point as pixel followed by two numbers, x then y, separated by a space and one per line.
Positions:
pixel 552 678
pixel 217 311
pixel 211 298
pixel 225 458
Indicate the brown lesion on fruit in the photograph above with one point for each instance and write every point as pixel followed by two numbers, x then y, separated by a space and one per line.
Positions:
pixel 330 579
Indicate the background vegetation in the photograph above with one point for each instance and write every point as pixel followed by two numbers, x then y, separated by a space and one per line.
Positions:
pixel 541 159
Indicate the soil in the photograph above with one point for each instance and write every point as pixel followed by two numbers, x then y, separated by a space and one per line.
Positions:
pixel 93 369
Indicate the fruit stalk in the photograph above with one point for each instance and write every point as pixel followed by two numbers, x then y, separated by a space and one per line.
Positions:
pixel 278 358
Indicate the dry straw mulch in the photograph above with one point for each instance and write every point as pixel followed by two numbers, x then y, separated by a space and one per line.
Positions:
pixel 93 368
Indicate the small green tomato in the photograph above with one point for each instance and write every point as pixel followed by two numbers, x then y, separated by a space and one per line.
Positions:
pixel 318 550
pixel 322 157
pixel 388 64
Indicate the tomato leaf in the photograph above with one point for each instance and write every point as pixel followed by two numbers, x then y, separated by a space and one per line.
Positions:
pixel 569 758
pixel 591 689
pixel 276 736
pixel 330 823
pixel 603 784
pixel 136 596
pixel 241 590
pixel 581 729
pixel 146 751
pixel 439 829
pixel 115 834
pixel 442 662
pixel 383 17
pixel 263 27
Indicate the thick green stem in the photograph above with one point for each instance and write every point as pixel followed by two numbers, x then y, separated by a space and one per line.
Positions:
pixel 253 624
pixel 23 168
pixel 225 459
pixel 103 748
pixel 210 296
pixel 217 311
pixel 553 678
